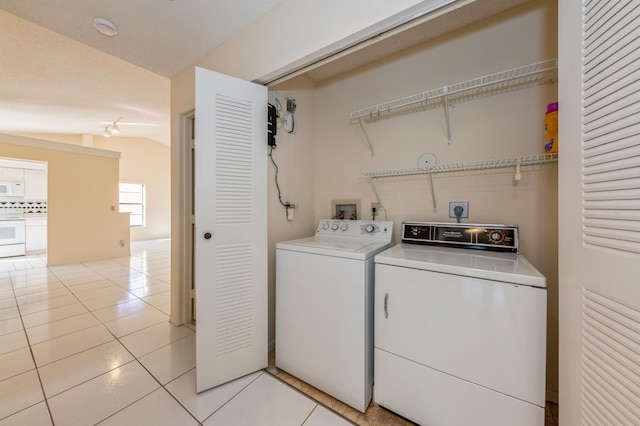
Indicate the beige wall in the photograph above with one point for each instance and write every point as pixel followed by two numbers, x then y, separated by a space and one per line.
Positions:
pixel 148 162
pixel 294 156
pixel 141 161
pixel 83 222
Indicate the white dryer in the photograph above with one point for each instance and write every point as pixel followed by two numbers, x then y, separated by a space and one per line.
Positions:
pixel 324 307
pixel 460 334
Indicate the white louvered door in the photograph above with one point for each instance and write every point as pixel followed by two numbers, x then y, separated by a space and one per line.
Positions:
pixel 230 229
pixel 599 218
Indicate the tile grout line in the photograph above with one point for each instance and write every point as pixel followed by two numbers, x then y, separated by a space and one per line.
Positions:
pixel 234 395
pixel 115 338
pixel 69 289
pixel 309 397
pixel 33 358
pixel 135 359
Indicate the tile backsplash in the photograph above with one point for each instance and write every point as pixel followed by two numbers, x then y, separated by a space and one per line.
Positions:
pixel 27 207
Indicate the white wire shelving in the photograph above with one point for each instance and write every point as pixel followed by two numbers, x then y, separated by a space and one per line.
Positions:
pixel 525 160
pixel 523 77
pixel 496 163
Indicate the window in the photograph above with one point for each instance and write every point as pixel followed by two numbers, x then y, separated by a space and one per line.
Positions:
pixel 132 201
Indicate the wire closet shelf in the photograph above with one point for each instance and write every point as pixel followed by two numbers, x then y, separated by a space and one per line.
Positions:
pixel 505 81
pixel 526 160
pixel 497 163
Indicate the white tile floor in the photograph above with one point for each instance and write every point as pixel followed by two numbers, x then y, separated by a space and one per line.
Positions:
pixel 90 343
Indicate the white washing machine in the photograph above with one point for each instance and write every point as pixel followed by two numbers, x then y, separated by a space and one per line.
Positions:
pixel 324 307
pixel 460 334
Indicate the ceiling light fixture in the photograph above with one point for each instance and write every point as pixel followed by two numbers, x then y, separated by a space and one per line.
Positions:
pixel 112 129
pixel 105 27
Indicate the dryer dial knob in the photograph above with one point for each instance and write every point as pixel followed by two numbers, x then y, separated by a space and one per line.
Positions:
pixel 496 236
pixel 369 229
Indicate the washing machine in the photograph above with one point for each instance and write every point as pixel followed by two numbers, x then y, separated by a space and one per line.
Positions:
pixel 460 327
pixel 324 307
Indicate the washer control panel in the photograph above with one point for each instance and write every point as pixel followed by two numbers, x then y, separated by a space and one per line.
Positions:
pixel 375 229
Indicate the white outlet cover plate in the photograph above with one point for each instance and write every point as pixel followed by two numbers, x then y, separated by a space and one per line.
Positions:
pixel 427 160
pixel 287 123
pixel 465 209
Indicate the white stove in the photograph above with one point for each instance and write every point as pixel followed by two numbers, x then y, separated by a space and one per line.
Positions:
pixel 12 232
pixel 460 321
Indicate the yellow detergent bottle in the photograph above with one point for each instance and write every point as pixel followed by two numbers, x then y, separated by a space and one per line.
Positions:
pixel 551 129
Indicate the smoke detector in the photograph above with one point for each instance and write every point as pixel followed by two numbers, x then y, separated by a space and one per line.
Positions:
pixel 105 27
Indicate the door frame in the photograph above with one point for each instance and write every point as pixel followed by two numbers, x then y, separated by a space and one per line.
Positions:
pixel 182 248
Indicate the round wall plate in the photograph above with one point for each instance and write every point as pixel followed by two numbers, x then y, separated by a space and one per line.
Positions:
pixel 427 160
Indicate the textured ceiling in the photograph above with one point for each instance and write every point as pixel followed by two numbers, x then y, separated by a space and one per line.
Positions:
pixel 52 84
pixel 162 36
pixel 59 75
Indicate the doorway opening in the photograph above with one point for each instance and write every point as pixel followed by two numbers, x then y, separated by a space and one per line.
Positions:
pixel 23 211
pixel 184 304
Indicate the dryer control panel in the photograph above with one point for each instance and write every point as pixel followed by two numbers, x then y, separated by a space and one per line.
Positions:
pixel 493 237
pixel 375 229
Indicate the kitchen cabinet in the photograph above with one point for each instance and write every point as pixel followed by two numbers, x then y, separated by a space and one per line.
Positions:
pixel 35 185
pixel 11 174
pixel 36 234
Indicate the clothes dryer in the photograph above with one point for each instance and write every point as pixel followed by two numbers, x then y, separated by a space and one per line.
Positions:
pixel 460 327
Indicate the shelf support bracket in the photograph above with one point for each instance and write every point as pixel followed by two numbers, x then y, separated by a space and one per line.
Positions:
pixel 433 193
pixel 446 115
pixel 366 136
pixel 517 175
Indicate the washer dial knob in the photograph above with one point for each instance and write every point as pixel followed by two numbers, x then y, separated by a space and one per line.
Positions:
pixel 334 227
pixel 325 226
pixel 344 227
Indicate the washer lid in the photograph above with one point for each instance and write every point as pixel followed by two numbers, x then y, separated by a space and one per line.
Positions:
pixel 350 244
pixel 352 248
pixel 505 267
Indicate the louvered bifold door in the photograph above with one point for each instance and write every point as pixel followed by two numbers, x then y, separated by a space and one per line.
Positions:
pixel 611 124
pixel 610 249
pixel 231 228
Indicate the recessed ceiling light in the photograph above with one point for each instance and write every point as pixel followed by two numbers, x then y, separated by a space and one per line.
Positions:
pixel 105 27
